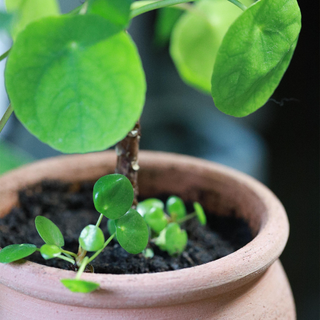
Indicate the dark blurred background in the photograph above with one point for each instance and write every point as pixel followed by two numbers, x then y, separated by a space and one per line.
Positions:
pixel 278 144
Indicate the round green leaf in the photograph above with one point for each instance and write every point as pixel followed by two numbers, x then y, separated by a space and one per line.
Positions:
pixel 111 226
pixel 91 238
pixel 196 39
pixel 16 252
pixel 132 232
pixel 49 232
pixel 176 208
pixel 148 204
pixel 200 213
pixel 29 11
pixel 113 195
pixel 254 55
pixel 76 82
pixel 81 286
pixel 156 219
pixel 176 239
pixel 50 251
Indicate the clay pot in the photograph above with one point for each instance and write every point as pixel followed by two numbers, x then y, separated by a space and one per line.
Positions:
pixel 247 284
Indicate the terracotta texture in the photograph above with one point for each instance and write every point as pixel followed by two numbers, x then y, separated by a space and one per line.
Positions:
pixel 248 284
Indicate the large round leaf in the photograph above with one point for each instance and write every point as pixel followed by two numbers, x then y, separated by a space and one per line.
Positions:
pixel 132 232
pixel 76 82
pixel 196 39
pixel 254 55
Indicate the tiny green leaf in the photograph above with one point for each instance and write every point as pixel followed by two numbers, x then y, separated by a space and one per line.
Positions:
pixel 254 55
pixel 16 252
pixel 76 82
pixel 29 11
pixel 113 195
pixel 156 219
pixel 176 208
pixel 49 232
pixel 81 286
pixel 146 205
pixel 200 213
pixel 115 11
pixel 176 239
pixel 132 232
pixel 91 238
pixel 50 251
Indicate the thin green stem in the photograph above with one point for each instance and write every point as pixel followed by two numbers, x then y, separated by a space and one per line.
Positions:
pixel 99 251
pixel 66 259
pixel 187 217
pixel 99 220
pixel 4 55
pixel 69 253
pixel 239 4
pixel 82 267
pixel 5 117
pixel 155 5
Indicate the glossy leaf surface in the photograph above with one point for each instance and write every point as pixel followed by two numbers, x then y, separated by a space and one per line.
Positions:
pixel 176 208
pixel 50 251
pixel 49 232
pixel 196 39
pixel 254 55
pixel 80 286
pixel 113 195
pixel 76 82
pixel 115 11
pixel 29 11
pixel 156 219
pixel 200 213
pixel 132 232
pixel 145 206
pixel 91 238
pixel 16 252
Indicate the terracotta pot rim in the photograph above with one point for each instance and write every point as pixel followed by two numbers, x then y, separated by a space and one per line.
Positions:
pixel 242 266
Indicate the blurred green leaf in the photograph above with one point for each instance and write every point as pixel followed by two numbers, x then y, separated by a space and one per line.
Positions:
pixel 145 206
pixel 76 82
pixel 156 219
pixel 49 232
pixel 6 21
pixel 29 11
pixel 91 238
pixel 254 55
pixel 81 286
pixel 165 21
pixel 113 195
pixel 132 232
pixel 50 251
pixel 16 252
pixel 200 213
pixel 176 208
pixel 115 11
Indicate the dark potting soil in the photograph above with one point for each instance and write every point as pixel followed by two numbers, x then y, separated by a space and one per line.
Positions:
pixel 70 207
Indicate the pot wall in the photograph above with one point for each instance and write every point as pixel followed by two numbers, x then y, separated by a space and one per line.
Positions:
pixel 248 284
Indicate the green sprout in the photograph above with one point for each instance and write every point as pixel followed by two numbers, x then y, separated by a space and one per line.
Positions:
pixel 165 226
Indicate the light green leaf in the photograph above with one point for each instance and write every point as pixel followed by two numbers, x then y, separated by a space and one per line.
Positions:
pixel 16 252
pixel 80 286
pixel 200 213
pixel 115 11
pixel 6 21
pixel 91 238
pixel 156 219
pixel 145 206
pixel 113 195
pixel 166 19
pixel 176 239
pixel 76 82
pixel 176 208
pixel 196 39
pixel 50 251
pixel 28 11
pixel 49 232
pixel 132 232
pixel 254 55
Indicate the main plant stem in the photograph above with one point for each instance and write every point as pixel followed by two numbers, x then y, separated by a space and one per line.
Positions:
pixel 127 161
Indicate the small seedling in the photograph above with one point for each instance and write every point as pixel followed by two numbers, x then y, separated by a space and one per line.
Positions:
pixel 112 197
pixel 165 227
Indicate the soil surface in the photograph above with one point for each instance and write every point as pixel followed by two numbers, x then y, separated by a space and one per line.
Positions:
pixel 70 207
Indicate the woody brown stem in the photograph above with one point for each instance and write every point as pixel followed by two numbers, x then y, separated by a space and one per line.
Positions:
pixel 127 158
